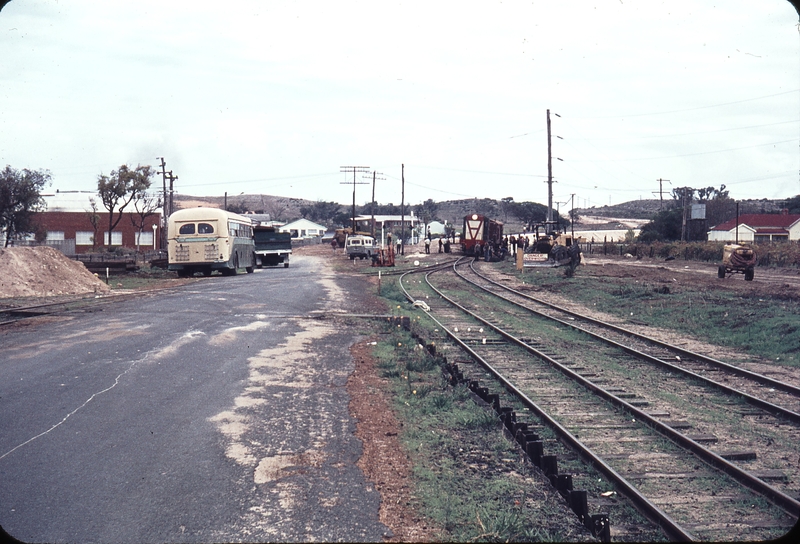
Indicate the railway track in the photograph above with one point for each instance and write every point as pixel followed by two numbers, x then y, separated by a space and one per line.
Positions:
pixel 700 459
pixel 777 396
pixel 9 316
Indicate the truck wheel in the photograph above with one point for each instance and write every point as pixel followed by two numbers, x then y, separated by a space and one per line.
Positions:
pixel 286 265
pixel 721 272
pixel 249 269
pixel 749 274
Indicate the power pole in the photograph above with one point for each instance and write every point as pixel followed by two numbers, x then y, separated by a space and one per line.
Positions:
pixel 372 202
pixel 686 193
pixel 549 177
pixel 549 222
pixel 360 169
pixel 661 192
pixel 402 209
pixel 164 214
pixel 171 192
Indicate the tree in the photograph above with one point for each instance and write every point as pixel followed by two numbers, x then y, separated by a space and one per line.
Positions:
pixel 320 211
pixel 793 204
pixel 20 199
pixel 121 188
pixel 665 226
pixel 506 205
pixel 94 219
pixel 529 212
pixel 427 211
pixel 237 207
pixel 145 205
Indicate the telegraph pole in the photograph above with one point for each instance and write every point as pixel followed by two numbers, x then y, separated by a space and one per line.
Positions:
pixel 549 177
pixel 164 214
pixel 354 169
pixel 402 209
pixel 661 191
pixel 549 222
pixel 372 202
pixel 171 192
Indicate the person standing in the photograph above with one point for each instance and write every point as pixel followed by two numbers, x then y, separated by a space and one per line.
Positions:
pixel 427 245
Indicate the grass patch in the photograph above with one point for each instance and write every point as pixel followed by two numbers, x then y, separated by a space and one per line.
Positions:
pixel 469 479
pixel 144 278
pixel 748 322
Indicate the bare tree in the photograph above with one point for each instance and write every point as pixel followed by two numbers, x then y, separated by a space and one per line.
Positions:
pixel 145 205
pixel 94 219
pixel 120 188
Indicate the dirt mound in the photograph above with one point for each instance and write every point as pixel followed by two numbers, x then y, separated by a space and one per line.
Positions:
pixel 44 271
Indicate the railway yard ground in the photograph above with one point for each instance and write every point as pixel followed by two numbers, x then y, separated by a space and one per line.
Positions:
pixel 445 465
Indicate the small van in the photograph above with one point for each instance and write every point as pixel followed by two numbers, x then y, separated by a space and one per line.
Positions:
pixel 359 246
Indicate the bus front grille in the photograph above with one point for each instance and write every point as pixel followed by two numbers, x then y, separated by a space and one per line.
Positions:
pixel 182 253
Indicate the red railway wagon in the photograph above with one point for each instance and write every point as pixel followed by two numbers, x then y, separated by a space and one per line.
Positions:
pixel 479 229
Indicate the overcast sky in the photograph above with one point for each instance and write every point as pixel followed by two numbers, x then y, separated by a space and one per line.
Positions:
pixel 274 97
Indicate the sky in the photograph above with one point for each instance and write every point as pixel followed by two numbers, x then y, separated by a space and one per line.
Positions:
pixel 276 97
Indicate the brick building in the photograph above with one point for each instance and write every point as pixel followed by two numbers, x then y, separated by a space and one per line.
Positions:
pixel 68 227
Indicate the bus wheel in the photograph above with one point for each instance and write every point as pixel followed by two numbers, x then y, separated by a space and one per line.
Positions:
pixel 207 272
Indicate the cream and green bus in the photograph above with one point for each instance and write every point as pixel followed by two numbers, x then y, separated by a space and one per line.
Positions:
pixel 207 239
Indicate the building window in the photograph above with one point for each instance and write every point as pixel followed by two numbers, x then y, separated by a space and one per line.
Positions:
pixel 146 238
pixel 53 235
pixel 116 239
pixel 84 238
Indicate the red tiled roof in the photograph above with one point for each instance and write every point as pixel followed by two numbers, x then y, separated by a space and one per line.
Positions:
pixel 759 221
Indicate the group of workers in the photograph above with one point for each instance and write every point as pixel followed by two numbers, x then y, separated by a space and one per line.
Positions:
pixel 444 245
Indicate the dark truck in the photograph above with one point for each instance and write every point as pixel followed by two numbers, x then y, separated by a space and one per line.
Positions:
pixel 272 247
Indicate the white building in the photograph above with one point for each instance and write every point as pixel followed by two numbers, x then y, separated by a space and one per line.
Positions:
pixel 754 227
pixel 303 228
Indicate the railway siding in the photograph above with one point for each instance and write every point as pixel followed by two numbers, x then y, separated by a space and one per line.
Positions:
pixel 619 426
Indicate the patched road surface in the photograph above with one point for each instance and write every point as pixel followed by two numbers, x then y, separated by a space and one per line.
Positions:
pixel 215 412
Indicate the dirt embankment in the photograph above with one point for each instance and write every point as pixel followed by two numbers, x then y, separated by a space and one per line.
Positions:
pixel 42 272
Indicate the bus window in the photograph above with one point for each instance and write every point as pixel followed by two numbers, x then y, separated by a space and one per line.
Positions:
pixel 205 228
pixel 187 228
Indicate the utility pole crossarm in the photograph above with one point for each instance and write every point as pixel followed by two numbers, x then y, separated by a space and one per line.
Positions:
pixel 354 169
pixel 372 202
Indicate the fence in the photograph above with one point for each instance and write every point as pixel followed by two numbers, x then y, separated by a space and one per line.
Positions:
pixel 779 254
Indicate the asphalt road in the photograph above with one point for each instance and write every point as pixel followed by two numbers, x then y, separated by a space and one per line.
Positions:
pixel 205 414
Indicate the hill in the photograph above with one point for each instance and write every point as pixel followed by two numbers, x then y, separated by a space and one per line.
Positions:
pixel 453 211
pixel 646 209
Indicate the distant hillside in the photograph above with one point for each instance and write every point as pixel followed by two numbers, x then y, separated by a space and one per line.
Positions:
pixel 646 209
pixel 453 211
pixel 279 208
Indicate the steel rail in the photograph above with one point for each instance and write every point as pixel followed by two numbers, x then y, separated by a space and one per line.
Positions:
pixel 755 401
pixel 789 504
pixel 652 512
pixel 79 303
pixel 766 380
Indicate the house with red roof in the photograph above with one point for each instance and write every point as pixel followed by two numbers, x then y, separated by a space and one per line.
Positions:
pixel 758 227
